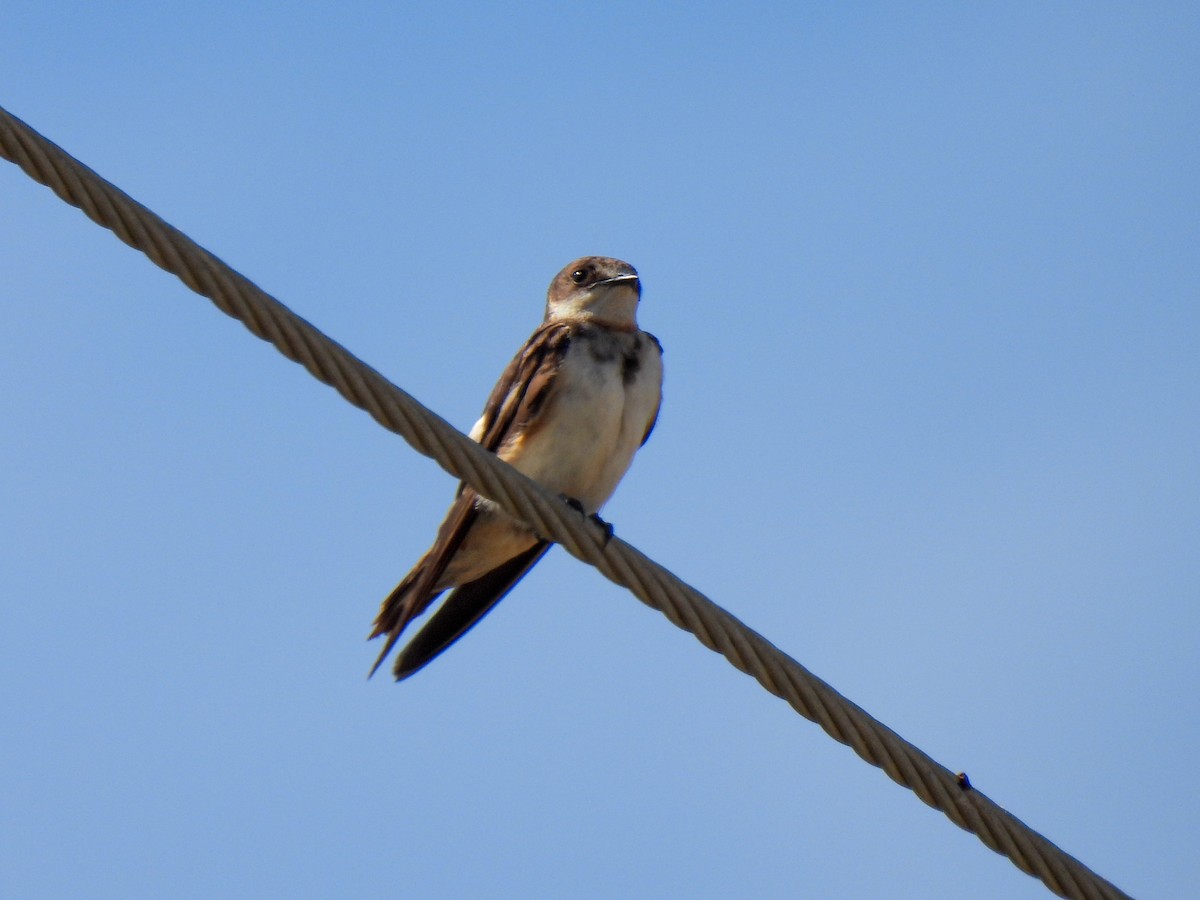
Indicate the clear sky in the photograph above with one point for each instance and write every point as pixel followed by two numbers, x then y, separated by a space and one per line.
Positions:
pixel 927 279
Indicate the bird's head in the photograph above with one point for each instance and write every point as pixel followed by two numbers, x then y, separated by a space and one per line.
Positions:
pixel 597 288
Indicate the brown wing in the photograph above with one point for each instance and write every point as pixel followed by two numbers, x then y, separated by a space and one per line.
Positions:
pixel 521 392
pixel 413 595
pixel 515 402
pixel 653 418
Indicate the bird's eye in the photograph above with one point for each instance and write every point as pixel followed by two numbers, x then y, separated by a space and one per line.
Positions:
pixel 579 276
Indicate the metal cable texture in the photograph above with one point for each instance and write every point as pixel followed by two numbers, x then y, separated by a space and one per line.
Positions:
pixel 546 513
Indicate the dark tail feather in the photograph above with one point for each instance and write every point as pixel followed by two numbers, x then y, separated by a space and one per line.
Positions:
pixel 412 596
pixel 465 606
pixel 398 610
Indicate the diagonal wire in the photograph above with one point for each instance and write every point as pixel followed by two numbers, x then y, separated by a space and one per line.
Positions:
pixel 547 514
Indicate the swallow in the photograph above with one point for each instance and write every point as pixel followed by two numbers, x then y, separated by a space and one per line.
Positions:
pixel 569 411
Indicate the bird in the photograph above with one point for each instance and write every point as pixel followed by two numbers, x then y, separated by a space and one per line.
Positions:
pixel 570 411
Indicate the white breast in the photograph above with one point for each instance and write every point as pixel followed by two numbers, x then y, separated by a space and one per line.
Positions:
pixel 597 418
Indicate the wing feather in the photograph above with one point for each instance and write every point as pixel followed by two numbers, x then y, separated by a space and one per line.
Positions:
pixel 465 606
pixel 523 389
pixel 658 406
pixel 520 395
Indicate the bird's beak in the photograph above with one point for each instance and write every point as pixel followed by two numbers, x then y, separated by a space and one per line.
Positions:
pixel 618 279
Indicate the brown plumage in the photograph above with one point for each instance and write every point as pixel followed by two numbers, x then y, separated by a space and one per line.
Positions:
pixel 569 411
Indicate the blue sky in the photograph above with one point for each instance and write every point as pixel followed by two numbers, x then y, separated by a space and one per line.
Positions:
pixel 927 282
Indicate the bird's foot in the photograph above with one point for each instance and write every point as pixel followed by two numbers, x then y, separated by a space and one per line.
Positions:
pixel 595 517
pixel 607 526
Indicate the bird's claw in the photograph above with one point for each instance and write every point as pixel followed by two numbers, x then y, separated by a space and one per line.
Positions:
pixel 607 526
pixel 595 517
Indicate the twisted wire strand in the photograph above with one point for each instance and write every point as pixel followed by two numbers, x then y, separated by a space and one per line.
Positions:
pixel 547 514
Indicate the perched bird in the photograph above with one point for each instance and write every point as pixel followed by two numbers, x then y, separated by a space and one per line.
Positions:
pixel 570 411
